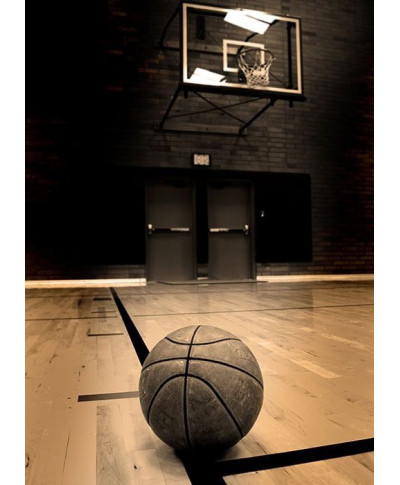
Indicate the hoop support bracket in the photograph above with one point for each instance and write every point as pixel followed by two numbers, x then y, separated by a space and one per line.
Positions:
pixel 262 110
pixel 164 32
pixel 214 107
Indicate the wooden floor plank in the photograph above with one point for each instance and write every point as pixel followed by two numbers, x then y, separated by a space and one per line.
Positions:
pixel 36 416
pixel 80 461
pixel 314 342
pixel 52 448
pixel 113 465
pixel 331 472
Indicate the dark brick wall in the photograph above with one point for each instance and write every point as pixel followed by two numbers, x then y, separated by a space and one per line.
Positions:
pixel 96 86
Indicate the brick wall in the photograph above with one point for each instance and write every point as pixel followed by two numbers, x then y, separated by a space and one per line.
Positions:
pixel 96 86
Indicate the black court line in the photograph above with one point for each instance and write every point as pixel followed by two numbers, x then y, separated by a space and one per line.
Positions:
pixel 257 291
pixel 138 343
pixel 103 311
pixel 199 473
pixel 205 470
pixel 290 458
pixel 270 289
pixel 202 470
pixel 255 310
pixel 109 395
pixel 104 334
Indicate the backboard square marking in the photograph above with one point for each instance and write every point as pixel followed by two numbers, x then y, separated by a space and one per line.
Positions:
pixel 227 51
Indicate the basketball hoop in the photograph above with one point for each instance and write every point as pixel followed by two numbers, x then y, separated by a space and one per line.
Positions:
pixel 255 64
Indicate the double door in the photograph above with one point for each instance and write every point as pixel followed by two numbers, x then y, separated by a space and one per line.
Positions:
pixel 170 231
pixel 174 232
pixel 229 231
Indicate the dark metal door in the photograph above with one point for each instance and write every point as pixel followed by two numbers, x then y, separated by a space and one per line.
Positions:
pixel 230 231
pixel 170 231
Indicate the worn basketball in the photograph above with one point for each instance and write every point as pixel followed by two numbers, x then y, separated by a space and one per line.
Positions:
pixel 201 388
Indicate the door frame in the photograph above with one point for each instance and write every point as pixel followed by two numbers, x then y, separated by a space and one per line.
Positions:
pixel 213 179
pixel 168 179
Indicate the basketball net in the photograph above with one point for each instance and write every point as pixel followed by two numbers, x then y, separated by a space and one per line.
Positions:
pixel 255 64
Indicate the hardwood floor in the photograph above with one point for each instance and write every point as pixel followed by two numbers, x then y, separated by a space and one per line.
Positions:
pixel 313 341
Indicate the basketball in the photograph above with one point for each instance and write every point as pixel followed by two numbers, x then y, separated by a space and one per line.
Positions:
pixel 201 389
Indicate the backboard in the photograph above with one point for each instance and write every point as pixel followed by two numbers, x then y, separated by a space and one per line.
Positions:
pixel 213 38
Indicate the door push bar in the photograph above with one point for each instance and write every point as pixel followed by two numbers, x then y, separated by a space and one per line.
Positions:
pixel 231 230
pixel 151 229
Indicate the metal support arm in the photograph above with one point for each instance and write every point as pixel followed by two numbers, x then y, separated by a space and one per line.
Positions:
pixel 246 125
pixel 164 32
pixel 172 102
pixel 215 107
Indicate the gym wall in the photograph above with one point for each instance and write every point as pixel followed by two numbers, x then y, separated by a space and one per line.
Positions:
pixel 97 84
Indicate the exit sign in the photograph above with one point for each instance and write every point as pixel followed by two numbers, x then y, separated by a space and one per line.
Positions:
pixel 201 159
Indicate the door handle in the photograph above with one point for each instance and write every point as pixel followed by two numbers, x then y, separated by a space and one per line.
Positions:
pixel 151 229
pixel 231 230
pixel 220 229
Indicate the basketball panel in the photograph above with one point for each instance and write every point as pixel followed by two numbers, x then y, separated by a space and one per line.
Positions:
pixel 233 352
pixel 241 393
pixel 166 350
pixel 209 334
pixel 152 378
pixel 166 415
pixel 183 335
pixel 209 423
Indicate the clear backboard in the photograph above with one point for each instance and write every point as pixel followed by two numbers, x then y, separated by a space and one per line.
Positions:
pixel 240 51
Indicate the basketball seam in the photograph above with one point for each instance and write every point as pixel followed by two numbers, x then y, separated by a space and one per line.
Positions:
pixel 220 400
pixel 186 375
pixel 185 418
pixel 202 343
pixel 206 360
pixel 158 391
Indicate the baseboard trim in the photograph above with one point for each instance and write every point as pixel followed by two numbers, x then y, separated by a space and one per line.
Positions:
pixel 121 282
pixel 315 277
pixel 102 283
